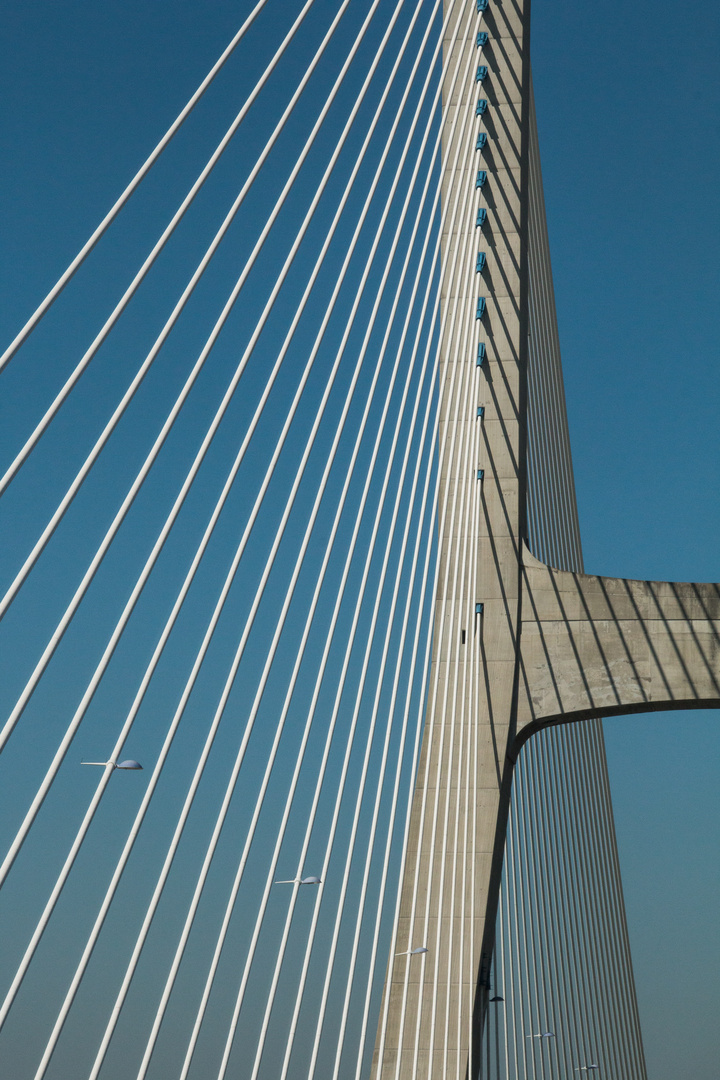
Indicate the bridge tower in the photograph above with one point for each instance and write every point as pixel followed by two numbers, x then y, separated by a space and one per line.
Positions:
pixel 518 646
pixel 219 487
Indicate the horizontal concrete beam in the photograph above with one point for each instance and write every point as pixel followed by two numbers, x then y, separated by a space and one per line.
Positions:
pixel 596 646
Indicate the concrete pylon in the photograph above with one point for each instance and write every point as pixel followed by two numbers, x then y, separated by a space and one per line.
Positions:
pixel 517 645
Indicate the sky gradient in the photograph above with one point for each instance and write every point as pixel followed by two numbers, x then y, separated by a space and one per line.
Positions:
pixel 627 101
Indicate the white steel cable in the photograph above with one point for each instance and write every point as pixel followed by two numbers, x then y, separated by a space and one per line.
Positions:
pixel 236 1009
pixel 523 1018
pixel 123 198
pixel 607 958
pixel 411 782
pixel 261 687
pixel 436 810
pixel 560 516
pixel 538 496
pixel 520 1018
pixel 547 467
pixel 475 706
pixel 196 778
pixel 316 692
pixel 593 964
pixel 470 793
pixel 297 1007
pixel 234 892
pixel 620 924
pixel 605 801
pixel 466 509
pixel 319 679
pixel 111 424
pixel 236 462
pixel 132 288
pixel 442 514
pixel 349 745
pixel 558 534
pixel 555 836
pixel 373 719
pixel 576 763
pixel 465 471
pixel 568 850
pixel 466 720
pixel 104 778
pixel 465 964
pixel 459 504
pixel 213 621
pixel 379 683
pixel 540 852
pixel 575 757
pixel 382 1030
pixel 12 853
pixel 301 751
pixel 380 780
pixel 432 1029
pixel 575 768
pixel 547 472
pixel 470 619
pixel 533 805
pixel 444 324
pixel 545 853
pixel 464 731
pixel 582 760
pixel 512 1010
pixel 530 1013
pixel 406 834
pixel 190 916
pixel 548 366
pixel 479 662
pixel 529 889
pixel 115 525
pixel 225 697
pixel 473 1050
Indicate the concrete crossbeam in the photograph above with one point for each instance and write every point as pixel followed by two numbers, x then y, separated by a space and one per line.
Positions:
pixel 596 646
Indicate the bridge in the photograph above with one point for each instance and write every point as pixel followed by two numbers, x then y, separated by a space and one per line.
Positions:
pixel 303 674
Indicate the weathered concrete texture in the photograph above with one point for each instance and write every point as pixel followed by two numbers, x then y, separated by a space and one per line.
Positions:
pixel 429 1015
pixel 596 646
pixel 549 646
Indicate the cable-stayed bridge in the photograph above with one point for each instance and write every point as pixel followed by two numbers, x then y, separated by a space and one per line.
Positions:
pixel 296 420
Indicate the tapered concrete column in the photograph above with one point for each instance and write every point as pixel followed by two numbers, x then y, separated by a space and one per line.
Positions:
pixel 447 904
pixel 517 645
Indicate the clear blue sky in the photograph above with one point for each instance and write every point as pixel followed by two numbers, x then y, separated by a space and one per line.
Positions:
pixel 628 102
